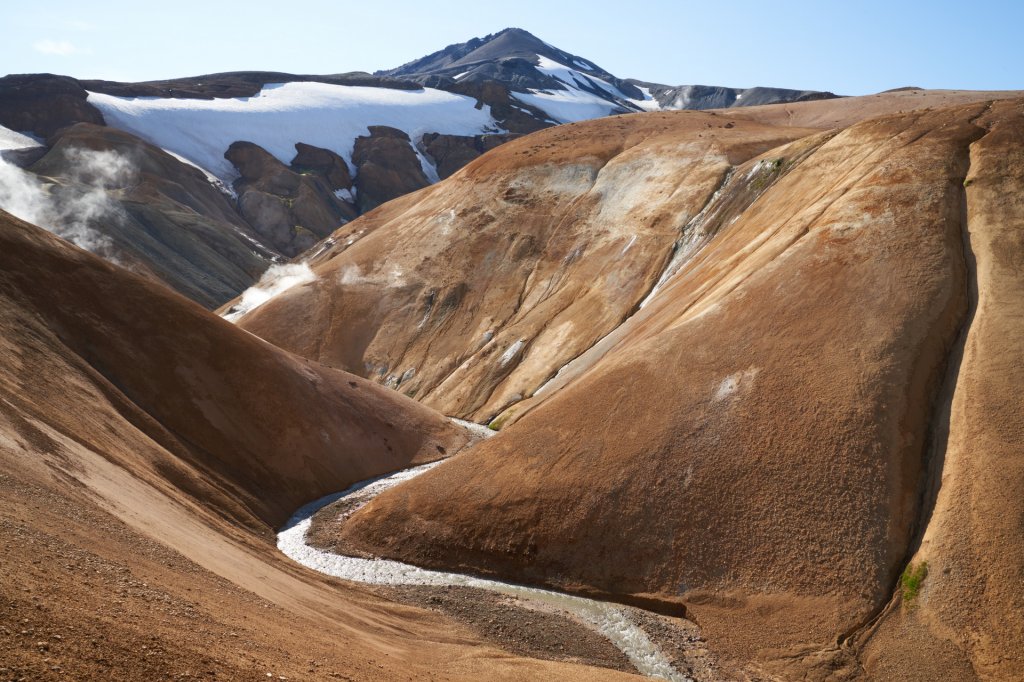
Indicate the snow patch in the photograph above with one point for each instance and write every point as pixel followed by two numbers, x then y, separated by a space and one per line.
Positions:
pixel 511 352
pixel 276 280
pixel 629 245
pixel 429 169
pixel 648 103
pixel 10 139
pixel 578 102
pixel 734 382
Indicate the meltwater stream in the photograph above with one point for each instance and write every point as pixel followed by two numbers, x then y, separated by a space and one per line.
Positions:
pixel 610 620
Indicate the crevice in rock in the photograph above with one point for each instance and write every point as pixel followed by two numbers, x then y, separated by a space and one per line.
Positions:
pixel 939 425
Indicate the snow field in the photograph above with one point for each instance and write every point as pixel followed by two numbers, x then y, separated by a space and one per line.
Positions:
pixel 319 114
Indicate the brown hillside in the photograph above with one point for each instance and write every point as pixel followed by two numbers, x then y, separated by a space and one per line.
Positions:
pixel 762 440
pixel 148 450
pixel 469 295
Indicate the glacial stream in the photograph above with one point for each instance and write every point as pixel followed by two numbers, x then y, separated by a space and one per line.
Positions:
pixel 610 620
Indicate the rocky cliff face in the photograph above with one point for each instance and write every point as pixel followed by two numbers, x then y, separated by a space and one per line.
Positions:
pixel 291 209
pixel 388 167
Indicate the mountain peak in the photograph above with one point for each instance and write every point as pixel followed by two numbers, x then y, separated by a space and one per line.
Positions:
pixel 509 43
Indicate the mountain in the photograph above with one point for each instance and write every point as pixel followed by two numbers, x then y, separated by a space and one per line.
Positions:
pixel 471 294
pixel 731 355
pixel 566 87
pixel 291 157
pixel 752 375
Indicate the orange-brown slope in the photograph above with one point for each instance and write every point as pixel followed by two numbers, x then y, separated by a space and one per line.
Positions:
pixel 147 452
pixel 470 294
pixel 755 444
pixel 967 621
pixel 273 429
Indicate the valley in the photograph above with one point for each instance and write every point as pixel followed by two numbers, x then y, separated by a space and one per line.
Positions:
pixel 495 365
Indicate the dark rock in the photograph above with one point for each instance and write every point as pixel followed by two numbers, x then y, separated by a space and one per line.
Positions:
pixel 452 152
pixel 159 216
pixel 44 103
pixel 291 210
pixel 387 167
pixel 323 162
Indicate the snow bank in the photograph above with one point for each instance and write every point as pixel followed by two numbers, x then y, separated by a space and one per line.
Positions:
pixel 608 619
pixel 323 115
pixel 277 279
pixel 578 102
pixel 10 139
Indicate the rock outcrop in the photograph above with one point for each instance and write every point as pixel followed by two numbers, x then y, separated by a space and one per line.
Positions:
pixel 44 103
pixel 147 210
pixel 323 162
pixel 290 210
pixel 387 167
pixel 452 152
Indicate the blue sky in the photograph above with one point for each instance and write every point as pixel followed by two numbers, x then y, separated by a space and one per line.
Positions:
pixel 850 47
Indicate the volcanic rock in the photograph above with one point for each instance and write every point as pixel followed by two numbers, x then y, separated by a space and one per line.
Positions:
pixel 323 162
pixel 452 152
pixel 291 210
pixel 151 211
pixel 44 103
pixel 387 167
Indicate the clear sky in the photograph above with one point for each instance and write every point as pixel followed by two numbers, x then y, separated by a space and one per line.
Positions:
pixel 849 46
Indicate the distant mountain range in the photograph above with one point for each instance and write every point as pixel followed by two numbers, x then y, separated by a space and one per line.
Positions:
pixel 293 157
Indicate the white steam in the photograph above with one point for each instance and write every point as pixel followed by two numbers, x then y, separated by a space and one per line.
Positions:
pixel 72 207
pixel 276 279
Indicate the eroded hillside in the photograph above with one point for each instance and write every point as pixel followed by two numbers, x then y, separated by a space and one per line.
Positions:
pixel 148 452
pixel 763 439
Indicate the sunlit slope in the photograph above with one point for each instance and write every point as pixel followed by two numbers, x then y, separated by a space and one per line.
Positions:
pixel 756 441
pixel 471 294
